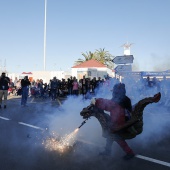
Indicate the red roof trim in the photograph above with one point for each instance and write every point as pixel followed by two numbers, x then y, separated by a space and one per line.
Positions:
pixel 90 63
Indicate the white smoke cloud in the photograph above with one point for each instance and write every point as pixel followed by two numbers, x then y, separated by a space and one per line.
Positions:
pixel 67 119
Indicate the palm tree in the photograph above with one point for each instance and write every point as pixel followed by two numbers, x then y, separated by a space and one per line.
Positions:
pixel 100 55
pixel 104 57
pixel 88 56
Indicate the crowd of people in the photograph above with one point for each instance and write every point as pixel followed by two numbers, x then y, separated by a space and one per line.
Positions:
pixel 62 88
pixel 87 87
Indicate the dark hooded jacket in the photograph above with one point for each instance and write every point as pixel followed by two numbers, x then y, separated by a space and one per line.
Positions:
pixel 4 83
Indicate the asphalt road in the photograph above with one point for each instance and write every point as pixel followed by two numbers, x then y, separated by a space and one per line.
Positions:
pixel 22 131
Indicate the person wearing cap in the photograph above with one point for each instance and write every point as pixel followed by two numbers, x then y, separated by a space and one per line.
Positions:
pixel 4 86
pixel 25 83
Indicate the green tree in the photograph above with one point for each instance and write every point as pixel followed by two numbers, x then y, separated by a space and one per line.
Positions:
pixel 87 56
pixel 104 57
pixel 100 55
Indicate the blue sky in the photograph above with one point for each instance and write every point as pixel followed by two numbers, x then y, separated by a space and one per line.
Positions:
pixel 76 26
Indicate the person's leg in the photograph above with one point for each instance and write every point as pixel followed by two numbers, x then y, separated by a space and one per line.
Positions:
pixel 77 92
pixel 55 93
pixel 23 96
pixel 26 95
pixel 5 97
pixel 108 147
pixel 73 92
pixel 105 122
pixel 1 94
pixel 69 91
pixel 52 94
pixel 129 152
pixel 123 144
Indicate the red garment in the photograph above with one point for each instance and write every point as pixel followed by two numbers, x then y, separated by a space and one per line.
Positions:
pixel 117 112
pixel 75 85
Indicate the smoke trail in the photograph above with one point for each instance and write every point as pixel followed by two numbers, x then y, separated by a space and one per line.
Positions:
pixel 66 120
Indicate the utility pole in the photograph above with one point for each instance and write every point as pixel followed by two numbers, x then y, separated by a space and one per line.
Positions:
pixel 45 13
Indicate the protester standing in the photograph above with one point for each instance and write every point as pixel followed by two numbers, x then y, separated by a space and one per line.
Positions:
pixel 54 88
pixel 4 86
pixel 70 85
pixel 84 86
pixel 25 83
pixel 75 87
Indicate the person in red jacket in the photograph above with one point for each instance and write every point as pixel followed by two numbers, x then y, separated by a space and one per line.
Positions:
pixel 120 109
pixel 116 106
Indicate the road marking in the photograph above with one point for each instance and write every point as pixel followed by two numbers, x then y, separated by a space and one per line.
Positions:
pixel 4 118
pixel 22 123
pixel 153 160
pixel 25 124
pixel 137 156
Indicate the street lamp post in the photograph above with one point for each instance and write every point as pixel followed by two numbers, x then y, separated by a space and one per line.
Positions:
pixel 45 35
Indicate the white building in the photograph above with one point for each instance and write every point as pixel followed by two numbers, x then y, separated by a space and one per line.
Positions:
pixel 91 68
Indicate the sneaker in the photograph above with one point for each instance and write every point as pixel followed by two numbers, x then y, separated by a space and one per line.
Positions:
pixel 156 97
pixel 4 106
pixel 129 156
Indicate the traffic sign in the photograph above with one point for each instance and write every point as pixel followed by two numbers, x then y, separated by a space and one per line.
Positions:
pixel 123 68
pixel 123 59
